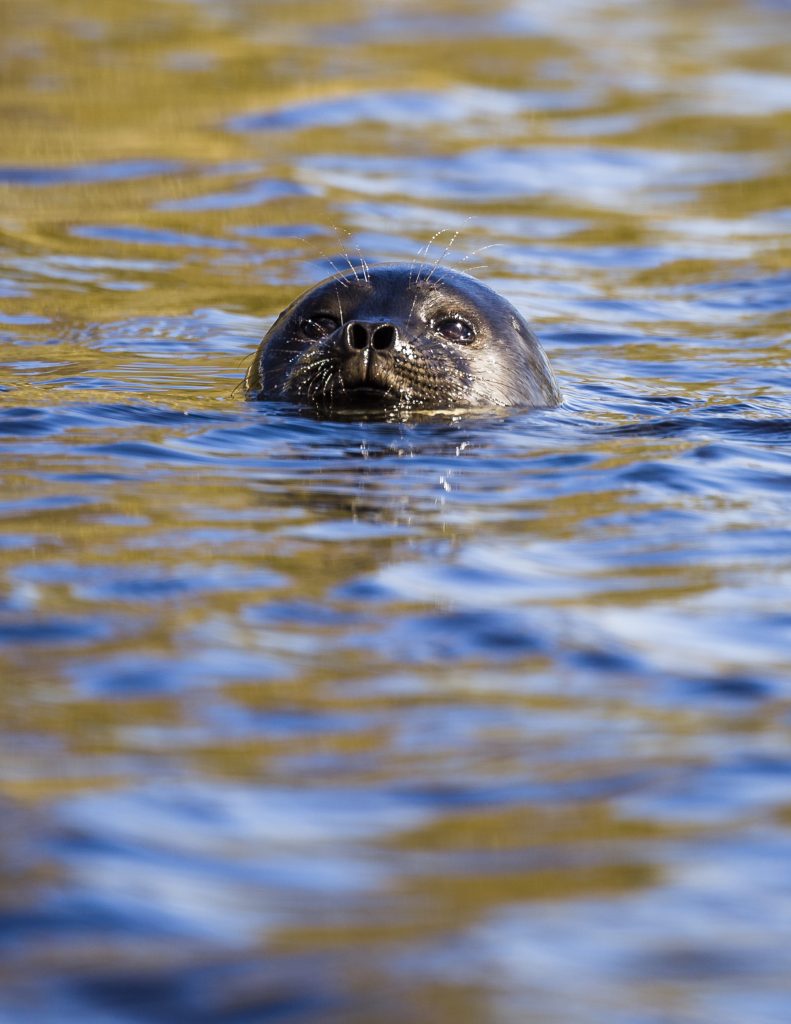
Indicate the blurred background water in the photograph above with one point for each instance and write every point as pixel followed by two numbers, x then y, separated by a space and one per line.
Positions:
pixel 474 720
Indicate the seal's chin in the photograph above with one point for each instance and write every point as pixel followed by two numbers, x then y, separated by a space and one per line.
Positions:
pixel 369 396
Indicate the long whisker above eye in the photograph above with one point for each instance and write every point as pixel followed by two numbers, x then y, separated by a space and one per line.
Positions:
pixel 423 251
pixel 326 258
pixel 442 256
pixel 346 254
pixel 481 248
pixel 338 273
pixel 363 264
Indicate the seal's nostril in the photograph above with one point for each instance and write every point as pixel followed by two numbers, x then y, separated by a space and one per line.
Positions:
pixel 384 337
pixel 360 336
pixel 357 336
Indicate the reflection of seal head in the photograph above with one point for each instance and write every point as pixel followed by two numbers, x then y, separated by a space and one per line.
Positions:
pixel 401 337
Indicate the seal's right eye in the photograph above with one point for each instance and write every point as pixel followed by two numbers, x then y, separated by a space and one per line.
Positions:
pixel 319 326
pixel 455 328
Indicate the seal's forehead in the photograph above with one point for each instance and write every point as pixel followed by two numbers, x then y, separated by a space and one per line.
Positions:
pixel 434 282
pixel 383 289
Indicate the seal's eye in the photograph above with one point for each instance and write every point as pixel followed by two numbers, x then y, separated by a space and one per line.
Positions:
pixel 319 326
pixel 454 328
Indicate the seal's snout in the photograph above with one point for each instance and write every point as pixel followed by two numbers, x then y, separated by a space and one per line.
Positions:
pixel 361 336
pixel 369 360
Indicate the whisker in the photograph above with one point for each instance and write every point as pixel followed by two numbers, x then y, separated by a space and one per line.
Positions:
pixel 442 255
pixel 481 248
pixel 247 359
pixel 363 263
pixel 345 253
pixel 423 250
pixel 326 258
pixel 339 274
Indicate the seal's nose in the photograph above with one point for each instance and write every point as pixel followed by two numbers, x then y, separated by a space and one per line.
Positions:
pixel 361 336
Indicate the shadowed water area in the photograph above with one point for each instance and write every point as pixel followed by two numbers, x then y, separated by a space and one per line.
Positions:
pixel 480 719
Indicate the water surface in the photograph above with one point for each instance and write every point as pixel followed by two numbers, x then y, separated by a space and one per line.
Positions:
pixel 479 719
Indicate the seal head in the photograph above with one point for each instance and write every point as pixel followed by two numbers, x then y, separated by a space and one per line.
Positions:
pixel 397 338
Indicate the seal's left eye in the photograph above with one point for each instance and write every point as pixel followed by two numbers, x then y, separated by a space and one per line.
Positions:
pixel 454 328
pixel 315 327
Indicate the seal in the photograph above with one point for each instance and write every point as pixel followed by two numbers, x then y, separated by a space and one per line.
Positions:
pixel 398 337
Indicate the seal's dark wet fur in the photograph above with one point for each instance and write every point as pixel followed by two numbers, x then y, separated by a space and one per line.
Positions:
pixel 394 338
